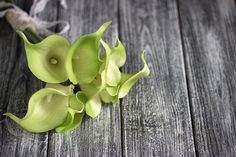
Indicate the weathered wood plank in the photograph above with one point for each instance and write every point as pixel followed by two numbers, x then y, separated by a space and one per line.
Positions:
pixel 100 136
pixel 8 55
pixel 17 85
pixel 209 37
pixel 156 115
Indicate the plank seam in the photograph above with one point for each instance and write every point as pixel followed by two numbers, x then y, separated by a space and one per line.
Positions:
pixel 186 77
pixel 121 100
pixel 49 138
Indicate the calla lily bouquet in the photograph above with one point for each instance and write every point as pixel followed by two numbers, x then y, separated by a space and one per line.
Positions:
pixel 54 61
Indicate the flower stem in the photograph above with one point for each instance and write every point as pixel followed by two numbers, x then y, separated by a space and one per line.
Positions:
pixel 32 36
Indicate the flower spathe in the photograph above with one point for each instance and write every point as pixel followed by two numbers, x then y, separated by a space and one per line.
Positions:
pixel 47 109
pixel 46 59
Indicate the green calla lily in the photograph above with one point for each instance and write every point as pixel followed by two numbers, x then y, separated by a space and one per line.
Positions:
pixel 73 120
pixel 47 109
pixel 109 73
pixel 128 80
pixel 46 59
pixel 82 61
pixel 112 94
pixel 75 112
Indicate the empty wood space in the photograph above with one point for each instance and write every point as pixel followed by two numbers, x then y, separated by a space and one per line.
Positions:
pixel 186 107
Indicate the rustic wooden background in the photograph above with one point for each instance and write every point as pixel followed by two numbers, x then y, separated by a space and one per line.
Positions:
pixel 187 107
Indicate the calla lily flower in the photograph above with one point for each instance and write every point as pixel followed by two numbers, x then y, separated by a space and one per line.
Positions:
pixel 47 109
pixel 46 59
pixel 101 90
pixel 109 73
pixel 75 112
pixel 83 61
pixel 112 94
pixel 128 80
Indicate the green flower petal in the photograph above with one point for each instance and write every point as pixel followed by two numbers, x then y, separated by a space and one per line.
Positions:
pixel 93 105
pixel 46 59
pixel 83 61
pixel 91 89
pixel 112 72
pixel 128 80
pixel 118 54
pixel 112 90
pixel 47 109
pixel 73 120
pixel 105 96
pixel 77 101
pixel 69 120
pixel 75 113
pixel 77 121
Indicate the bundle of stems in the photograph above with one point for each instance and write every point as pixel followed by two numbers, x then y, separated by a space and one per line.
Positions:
pixel 32 27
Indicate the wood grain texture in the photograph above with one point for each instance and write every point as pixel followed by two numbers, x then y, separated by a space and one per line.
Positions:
pixel 17 85
pixel 209 37
pixel 8 55
pixel 100 136
pixel 156 115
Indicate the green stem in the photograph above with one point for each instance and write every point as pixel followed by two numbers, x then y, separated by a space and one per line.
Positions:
pixel 32 36
pixel 10 1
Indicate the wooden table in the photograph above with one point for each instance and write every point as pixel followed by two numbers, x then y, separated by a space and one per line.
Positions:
pixel 186 107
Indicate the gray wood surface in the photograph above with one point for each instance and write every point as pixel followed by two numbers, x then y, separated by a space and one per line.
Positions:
pixel 186 107
pixel 100 136
pixel 209 38
pixel 156 115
